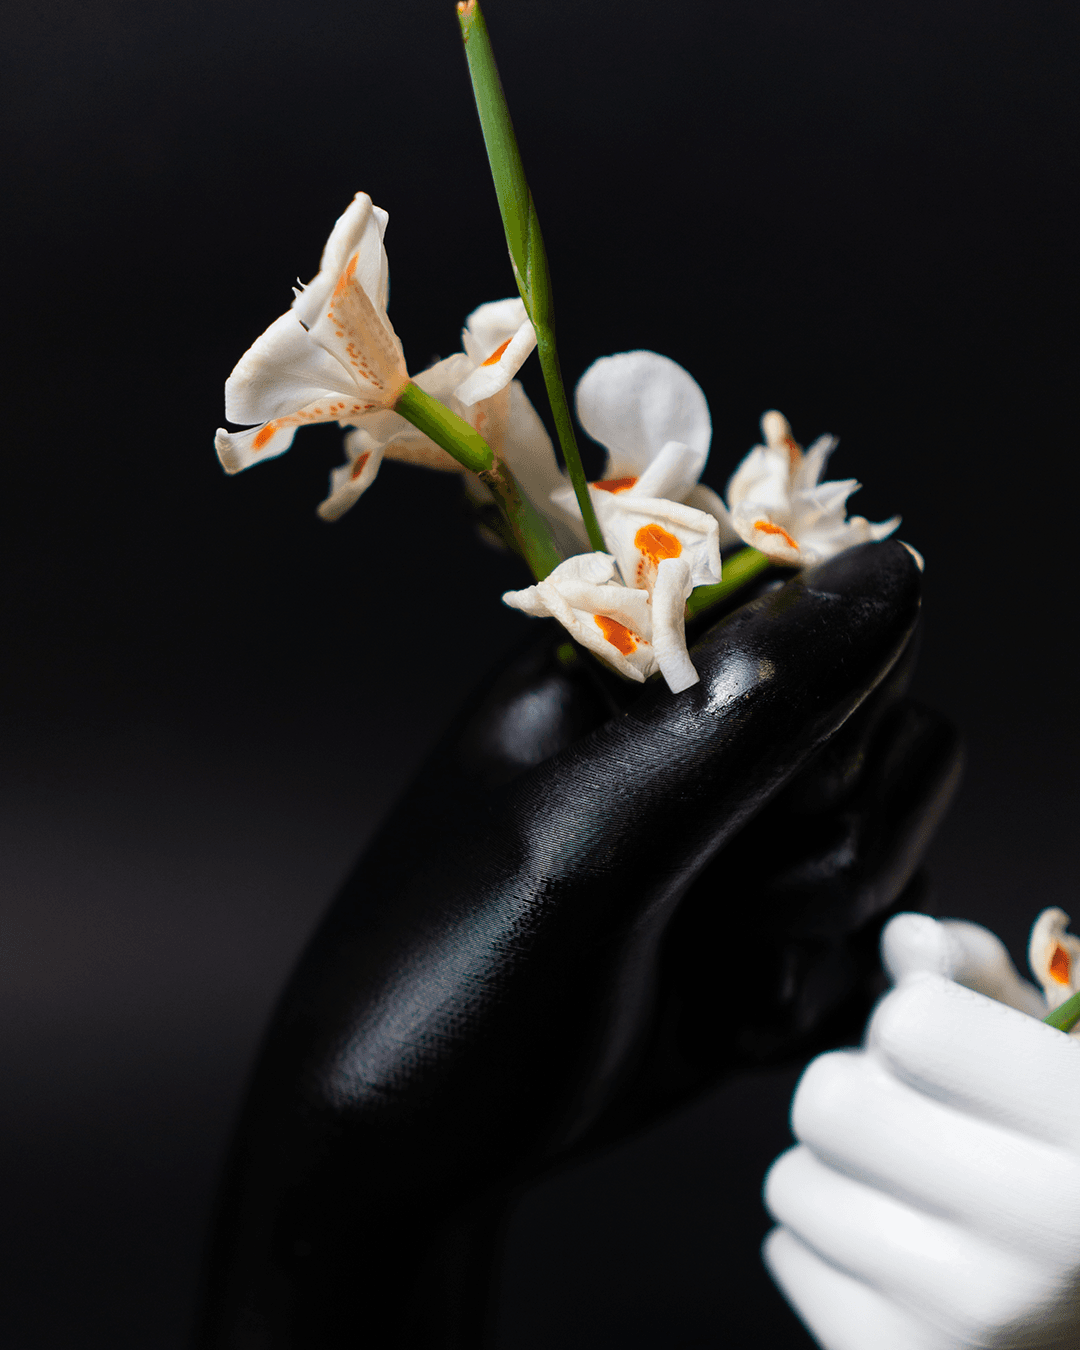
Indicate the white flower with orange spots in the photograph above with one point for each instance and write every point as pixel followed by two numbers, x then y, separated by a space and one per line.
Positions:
pixel 334 355
pixel 1054 958
pixel 478 385
pixel 779 507
pixel 636 631
pixel 643 532
pixel 653 419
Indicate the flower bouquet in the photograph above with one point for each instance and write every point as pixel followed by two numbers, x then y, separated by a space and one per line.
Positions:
pixel 658 845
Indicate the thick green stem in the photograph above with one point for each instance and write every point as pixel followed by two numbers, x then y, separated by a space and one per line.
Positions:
pixel 1065 1017
pixel 528 257
pixel 528 527
pixel 445 428
pixel 739 569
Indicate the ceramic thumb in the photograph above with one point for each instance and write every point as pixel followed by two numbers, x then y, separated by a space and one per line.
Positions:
pixel 964 952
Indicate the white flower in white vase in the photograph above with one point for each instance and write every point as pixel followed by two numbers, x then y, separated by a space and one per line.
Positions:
pixel 778 505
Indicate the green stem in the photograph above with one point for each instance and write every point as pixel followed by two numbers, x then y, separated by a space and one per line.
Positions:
pixel 564 426
pixel 468 447
pixel 527 525
pixel 528 257
pixel 445 428
pixel 500 142
pixel 739 569
pixel 1065 1017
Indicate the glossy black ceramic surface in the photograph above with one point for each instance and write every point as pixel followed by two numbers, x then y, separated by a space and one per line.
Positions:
pixel 592 903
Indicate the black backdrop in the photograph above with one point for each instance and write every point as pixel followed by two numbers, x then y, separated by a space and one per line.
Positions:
pixel 860 214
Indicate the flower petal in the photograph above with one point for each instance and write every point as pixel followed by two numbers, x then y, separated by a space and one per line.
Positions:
pixel 825 539
pixel 763 476
pixel 241 449
pixel 672 474
pixel 238 450
pixel 491 326
pixel 398 439
pixel 756 527
pixel 777 432
pixel 608 618
pixel 670 594
pixel 499 368
pixel 281 371
pixel 359 230
pixel 357 333
pixel 442 379
pixel 643 531
pixel 807 471
pixel 635 403
pixel 703 498
pixel 349 482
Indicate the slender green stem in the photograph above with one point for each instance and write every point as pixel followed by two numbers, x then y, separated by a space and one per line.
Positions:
pixel 564 426
pixel 500 142
pixel 739 569
pixel 529 529
pixel 528 257
pixel 1065 1017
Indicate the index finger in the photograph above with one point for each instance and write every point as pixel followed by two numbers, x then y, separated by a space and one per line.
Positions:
pixel 981 1056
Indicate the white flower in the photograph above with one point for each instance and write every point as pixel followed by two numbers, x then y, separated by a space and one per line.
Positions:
pixel 778 506
pixel 653 419
pixel 334 357
pixel 478 385
pixel 635 630
pixel 1054 958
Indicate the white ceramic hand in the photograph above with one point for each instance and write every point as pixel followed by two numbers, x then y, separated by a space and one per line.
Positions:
pixel 933 1201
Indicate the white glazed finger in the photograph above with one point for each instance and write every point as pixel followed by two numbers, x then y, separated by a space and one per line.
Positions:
pixel 981 1057
pixel 843 1313
pixel 861 1120
pixel 971 1288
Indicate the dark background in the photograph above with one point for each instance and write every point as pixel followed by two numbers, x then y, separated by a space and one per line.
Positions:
pixel 861 214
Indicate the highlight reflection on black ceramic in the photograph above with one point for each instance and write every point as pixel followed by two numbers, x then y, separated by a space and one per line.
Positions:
pixel 577 918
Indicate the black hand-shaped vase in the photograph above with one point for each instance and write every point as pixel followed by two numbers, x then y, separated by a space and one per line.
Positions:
pixel 577 917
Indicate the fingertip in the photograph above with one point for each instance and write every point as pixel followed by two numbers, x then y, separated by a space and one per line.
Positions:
pixel 830 1083
pixel 915 943
pixel 776 1177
